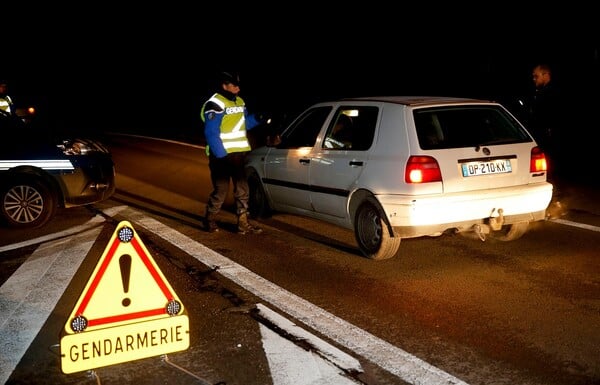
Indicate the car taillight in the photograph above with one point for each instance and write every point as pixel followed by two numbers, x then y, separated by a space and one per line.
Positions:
pixel 538 160
pixel 422 169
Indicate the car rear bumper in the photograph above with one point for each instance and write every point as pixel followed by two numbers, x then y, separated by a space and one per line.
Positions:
pixel 437 213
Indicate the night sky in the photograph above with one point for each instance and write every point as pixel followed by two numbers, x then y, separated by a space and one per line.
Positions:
pixel 107 68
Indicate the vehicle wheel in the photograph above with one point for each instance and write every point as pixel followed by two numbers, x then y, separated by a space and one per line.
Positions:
pixel 510 232
pixel 371 232
pixel 258 204
pixel 27 204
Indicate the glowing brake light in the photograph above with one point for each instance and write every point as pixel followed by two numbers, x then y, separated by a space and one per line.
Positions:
pixel 538 160
pixel 422 169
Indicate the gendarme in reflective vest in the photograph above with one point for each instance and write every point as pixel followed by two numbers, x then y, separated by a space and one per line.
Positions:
pixel 6 104
pixel 233 124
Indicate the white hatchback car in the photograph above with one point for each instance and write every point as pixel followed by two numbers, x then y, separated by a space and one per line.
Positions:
pixel 401 167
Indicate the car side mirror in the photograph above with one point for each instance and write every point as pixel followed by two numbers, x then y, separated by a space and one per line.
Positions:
pixel 273 141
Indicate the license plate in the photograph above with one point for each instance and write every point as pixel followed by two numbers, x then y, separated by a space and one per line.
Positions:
pixel 498 166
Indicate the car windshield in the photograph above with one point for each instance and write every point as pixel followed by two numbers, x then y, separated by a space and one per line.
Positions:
pixel 456 127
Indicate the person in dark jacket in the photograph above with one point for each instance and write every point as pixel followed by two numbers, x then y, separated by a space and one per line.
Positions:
pixel 226 122
pixel 545 113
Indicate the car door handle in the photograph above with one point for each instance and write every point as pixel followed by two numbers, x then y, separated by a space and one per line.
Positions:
pixel 304 160
pixel 356 163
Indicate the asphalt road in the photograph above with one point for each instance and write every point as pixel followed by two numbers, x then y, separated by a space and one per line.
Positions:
pixel 459 310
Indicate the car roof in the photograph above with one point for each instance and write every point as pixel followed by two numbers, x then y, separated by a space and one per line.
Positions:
pixel 418 100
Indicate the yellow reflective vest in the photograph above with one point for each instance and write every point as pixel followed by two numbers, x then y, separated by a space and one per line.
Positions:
pixel 233 125
pixel 6 104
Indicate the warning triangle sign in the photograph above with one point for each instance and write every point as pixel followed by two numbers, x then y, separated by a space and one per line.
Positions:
pixel 127 310
pixel 126 287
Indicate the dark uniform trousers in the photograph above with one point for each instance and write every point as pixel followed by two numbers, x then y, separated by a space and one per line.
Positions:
pixel 222 170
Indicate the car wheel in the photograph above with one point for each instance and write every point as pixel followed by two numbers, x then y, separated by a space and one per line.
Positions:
pixel 371 232
pixel 258 204
pixel 510 232
pixel 27 204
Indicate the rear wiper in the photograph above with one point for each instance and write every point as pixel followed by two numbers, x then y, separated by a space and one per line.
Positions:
pixel 492 142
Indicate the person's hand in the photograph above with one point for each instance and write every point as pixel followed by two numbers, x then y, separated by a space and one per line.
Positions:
pixel 264 118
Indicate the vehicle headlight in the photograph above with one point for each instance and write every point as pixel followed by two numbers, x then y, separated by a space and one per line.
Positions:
pixel 74 147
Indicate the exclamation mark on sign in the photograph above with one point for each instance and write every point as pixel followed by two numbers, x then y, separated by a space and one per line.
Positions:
pixel 125 264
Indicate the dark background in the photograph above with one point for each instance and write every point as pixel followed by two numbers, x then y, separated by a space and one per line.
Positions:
pixel 149 69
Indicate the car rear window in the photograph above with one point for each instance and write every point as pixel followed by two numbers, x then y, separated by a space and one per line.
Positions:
pixel 467 126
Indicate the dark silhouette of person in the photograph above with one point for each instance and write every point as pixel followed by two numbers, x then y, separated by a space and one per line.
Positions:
pixel 545 119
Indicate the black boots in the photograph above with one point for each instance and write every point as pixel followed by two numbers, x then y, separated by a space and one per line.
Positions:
pixel 245 227
pixel 210 223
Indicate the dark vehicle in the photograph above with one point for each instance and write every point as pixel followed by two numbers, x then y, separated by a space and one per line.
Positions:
pixel 41 172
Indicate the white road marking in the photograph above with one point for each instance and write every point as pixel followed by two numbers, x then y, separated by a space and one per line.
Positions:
pixel 292 365
pixel 289 364
pixel 576 224
pixel 389 357
pixel 331 353
pixel 95 221
pixel 29 296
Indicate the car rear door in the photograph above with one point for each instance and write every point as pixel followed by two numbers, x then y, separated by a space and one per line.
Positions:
pixel 339 159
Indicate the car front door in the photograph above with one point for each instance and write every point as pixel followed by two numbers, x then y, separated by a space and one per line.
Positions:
pixel 287 166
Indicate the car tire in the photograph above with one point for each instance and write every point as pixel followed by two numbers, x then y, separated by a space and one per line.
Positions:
pixel 258 206
pixel 510 232
pixel 372 232
pixel 26 203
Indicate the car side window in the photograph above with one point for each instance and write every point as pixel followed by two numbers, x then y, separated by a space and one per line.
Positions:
pixel 304 131
pixel 352 128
